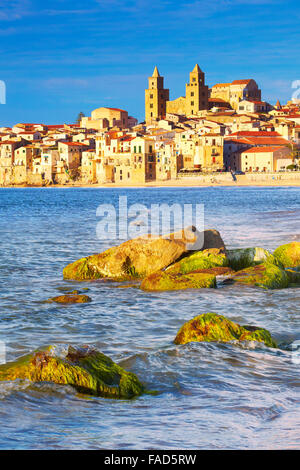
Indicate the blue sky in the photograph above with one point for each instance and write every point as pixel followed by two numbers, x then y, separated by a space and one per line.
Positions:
pixel 62 57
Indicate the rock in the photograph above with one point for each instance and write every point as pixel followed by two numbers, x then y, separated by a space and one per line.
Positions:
pixel 199 260
pixel 265 275
pixel 212 327
pixel 87 370
pixel 294 277
pixel 288 255
pixel 163 281
pixel 217 271
pixel 242 258
pixel 70 298
pixel 213 239
pixel 134 259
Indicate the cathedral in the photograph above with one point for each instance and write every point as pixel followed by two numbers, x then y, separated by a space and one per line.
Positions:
pixel 157 103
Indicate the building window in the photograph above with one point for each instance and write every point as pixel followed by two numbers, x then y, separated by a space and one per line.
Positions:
pixel 151 106
pixel 192 93
pixel 151 96
pixel 192 103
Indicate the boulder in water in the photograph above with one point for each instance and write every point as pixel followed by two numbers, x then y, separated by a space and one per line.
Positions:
pixel 242 258
pixel 288 255
pixel 87 370
pixel 199 260
pixel 213 327
pixel 265 275
pixel 163 281
pixel 70 298
pixel 134 259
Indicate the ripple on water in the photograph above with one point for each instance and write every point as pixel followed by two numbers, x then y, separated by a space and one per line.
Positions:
pixel 209 395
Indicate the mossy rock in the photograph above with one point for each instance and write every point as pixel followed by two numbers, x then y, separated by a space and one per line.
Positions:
pixel 199 260
pixel 134 259
pixel 217 271
pixel 213 327
pixel 288 255
pixel 71 298
pixel 163 281
pixel 294 277
pixel 265 275
pixel 87 370
pixel 242 258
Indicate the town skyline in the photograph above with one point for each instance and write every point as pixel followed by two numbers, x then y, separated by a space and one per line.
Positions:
pixel 79 65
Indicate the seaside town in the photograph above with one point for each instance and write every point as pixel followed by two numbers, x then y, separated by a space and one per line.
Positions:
pixel 220 132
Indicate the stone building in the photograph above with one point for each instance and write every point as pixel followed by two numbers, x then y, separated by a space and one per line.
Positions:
pixel 196 96
pixel 236 91
pixel 156 97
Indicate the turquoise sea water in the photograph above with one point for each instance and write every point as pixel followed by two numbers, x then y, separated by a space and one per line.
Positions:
pixel 210 395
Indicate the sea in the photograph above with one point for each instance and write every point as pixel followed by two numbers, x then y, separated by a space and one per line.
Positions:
pixel 209 395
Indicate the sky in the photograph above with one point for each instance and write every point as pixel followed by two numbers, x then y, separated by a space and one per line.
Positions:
pixel 60 57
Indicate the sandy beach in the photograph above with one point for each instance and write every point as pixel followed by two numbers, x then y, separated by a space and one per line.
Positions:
pixel 242 181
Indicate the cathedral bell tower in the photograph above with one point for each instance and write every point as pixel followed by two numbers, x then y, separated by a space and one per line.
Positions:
pixel 196 92
pixel 156 97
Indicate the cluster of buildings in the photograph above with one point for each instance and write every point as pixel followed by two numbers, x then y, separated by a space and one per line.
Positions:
pixel 223 128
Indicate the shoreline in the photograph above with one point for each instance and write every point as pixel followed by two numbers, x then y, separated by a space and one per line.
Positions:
pixel 170 184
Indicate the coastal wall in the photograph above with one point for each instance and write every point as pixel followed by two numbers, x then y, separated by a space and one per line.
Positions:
pixel 261 177
pixel 212 178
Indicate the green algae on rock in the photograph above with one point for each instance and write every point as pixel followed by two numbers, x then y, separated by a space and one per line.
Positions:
pixel 70 298
pixel 206 259
pixel 242 258
pixel 216 271
pixel 294 277
pixel 288 255
pixel 133 259
pixel 265 275
pixel 87 370
pixel 213 327
pixel 163 281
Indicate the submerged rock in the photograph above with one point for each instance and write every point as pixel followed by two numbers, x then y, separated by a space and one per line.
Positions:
pixel 265 275
pixel 242 258
pixel 87 370
pixel 206 259
pixel 134 259
pixel 163 281
pixel 288 255
pixel 70 298
pixel 212 327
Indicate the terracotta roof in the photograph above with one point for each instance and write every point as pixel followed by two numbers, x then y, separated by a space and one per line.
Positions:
pixel 117 109
pixel 270 149
pixel 216 100
pixel 222 85
pixel 241 82
pixel 74 144
pixel 267 141
pixel 257 133
pixel 9 142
